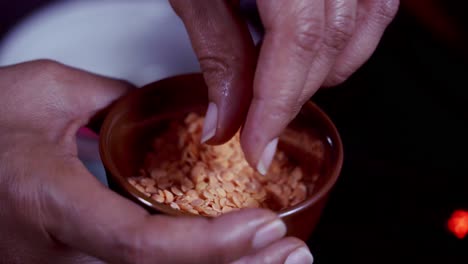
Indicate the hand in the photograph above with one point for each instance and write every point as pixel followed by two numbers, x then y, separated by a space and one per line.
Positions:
pixel 308 44
pixel 52 210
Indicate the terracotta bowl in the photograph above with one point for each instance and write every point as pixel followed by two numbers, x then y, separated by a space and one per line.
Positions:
pixel 311 141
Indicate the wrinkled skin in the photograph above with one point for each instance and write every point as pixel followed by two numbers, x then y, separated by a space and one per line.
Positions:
pixel 308 44
pixel 52 210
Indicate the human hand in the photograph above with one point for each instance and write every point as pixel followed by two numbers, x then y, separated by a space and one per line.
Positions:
pixel 308 44
pixel 52 210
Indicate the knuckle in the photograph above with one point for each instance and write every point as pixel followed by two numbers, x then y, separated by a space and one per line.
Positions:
pixel 339 31
pixel 308 36
pixel 48 66
pixel 309 29
pixel 217 68
pixel 281 109
pixel 49 71
pixel 213 64
pixel 308 41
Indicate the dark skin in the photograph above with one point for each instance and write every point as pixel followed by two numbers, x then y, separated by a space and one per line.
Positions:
pixel 54 211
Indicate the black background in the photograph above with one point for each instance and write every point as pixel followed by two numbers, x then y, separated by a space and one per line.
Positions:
pixel 404 122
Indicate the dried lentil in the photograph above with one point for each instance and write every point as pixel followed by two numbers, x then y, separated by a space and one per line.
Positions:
pixel 212 180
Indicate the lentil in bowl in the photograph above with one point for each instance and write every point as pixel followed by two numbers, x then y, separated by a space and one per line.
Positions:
pixel 311 142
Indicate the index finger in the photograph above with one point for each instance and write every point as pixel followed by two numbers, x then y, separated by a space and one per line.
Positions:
pixel 293 37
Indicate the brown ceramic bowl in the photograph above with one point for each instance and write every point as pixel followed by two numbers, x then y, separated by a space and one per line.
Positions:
pixel 132 123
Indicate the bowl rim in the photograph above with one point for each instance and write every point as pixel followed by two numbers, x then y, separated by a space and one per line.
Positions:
pixel 336 143
pixel 333 139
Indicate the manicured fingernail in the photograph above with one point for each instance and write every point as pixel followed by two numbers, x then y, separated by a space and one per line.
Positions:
pixel 211 120
pixel 267 157
pixel 301 255
pixel 268 234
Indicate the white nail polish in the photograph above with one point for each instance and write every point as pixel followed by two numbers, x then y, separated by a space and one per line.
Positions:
pixel 267 157
pixel 211 121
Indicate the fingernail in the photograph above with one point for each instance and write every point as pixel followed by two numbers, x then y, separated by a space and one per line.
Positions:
pixel 268 234
pixel 211 120
pixel 267 157
pixel 301 255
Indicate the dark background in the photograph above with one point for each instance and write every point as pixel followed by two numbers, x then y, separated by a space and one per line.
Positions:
pixel 404 123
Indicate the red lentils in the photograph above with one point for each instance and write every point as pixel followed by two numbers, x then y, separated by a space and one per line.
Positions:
pixel 212 180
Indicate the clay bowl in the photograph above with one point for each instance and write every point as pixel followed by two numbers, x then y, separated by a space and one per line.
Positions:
pixel 311 141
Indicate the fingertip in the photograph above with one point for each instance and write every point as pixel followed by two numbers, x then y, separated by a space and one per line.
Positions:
pixel 260 134
pixel 225 116
pixel 267 156
pixel 210 123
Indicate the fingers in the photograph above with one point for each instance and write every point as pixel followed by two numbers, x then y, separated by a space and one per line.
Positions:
pixel 293 36
pixel 340 27
pixel 288 250
pixel 227 58
pixel 307 44
pixel 85 215
pixel 302 41
pixel 372 19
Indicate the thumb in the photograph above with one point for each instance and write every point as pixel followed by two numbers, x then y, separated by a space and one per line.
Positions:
pixel 85 215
